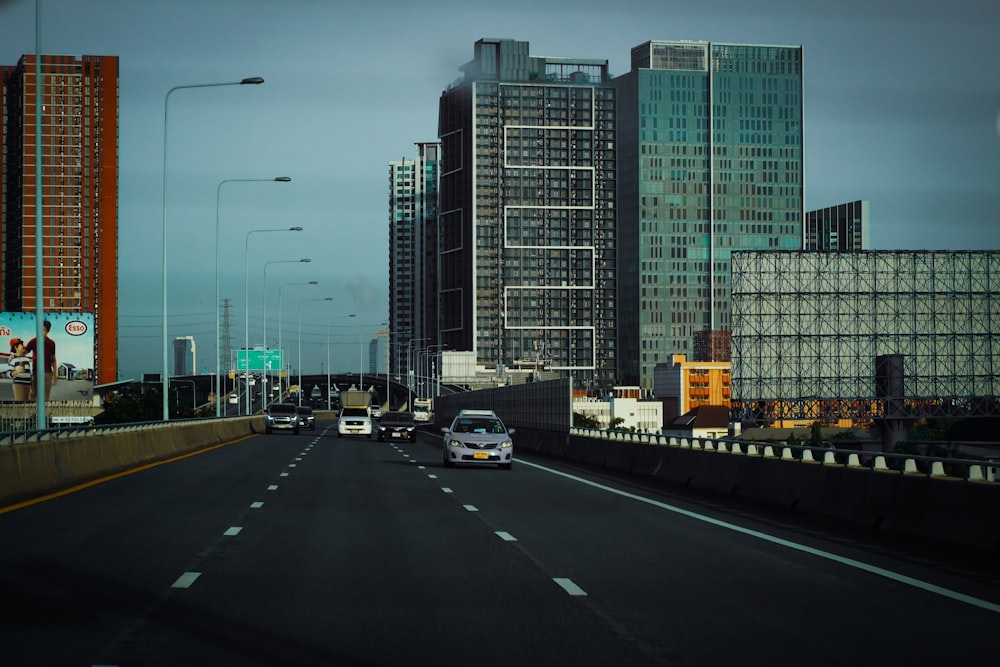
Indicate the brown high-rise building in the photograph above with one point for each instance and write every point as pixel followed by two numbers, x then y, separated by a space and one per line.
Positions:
pixel 79 189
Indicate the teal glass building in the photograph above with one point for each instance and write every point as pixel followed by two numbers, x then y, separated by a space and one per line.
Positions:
pixel 710 161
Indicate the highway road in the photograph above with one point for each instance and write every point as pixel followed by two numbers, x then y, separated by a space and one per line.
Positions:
pixel 315 550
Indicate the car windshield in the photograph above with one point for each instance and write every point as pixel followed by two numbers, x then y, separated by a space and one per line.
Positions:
pixel 397 417
pixel 478 425
pixel 282 409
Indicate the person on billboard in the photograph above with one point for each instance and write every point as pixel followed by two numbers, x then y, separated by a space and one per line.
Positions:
pixel 20 370
pixel 50 361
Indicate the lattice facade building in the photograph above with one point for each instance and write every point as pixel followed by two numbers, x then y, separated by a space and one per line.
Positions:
pixel 808 327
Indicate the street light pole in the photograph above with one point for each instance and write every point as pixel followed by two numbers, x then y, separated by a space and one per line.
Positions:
pixel 256 80
pixel 246 302
pixel 264 313
pixel 329 298
pixel 280 348
pixel 409 367
pixel 218 333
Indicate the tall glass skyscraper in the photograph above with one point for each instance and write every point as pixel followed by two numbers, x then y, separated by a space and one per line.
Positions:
pixel 710 144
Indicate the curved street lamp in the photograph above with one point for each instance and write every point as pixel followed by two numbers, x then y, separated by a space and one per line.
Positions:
pixel 264 313
pixel 246 297
pixel 328 298
pixel 254 80
pixel 218 333
pixel 280 289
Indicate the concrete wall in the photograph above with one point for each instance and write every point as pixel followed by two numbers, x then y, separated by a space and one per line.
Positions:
pixel 33 469
pixel 946 509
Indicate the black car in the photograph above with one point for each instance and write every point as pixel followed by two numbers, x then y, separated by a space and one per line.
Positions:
pixel 282 416
pixel 306 417
pixel 396 426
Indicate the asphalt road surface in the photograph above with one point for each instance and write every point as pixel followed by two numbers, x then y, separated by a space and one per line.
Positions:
pixel 315 550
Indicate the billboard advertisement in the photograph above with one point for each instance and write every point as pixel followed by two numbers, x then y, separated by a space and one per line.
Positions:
pixel 70 336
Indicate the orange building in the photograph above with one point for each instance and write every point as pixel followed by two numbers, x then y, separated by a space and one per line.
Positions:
pixel 685 385
pixel 79 190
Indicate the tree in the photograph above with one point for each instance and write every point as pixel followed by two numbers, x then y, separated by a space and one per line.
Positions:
pixel 816 436
pixel 139 403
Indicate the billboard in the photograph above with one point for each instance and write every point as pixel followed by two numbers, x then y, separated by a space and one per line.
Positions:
pixel 73 335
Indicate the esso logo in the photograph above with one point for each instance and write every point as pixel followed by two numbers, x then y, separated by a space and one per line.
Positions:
pixel 76 328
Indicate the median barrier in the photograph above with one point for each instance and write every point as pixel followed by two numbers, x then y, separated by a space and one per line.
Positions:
pixel 945 509
pixel 33 469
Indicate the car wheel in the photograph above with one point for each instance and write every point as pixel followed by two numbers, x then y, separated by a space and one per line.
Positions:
pixel 448 463
pixel 268 430
pixel 505 466
pixel 296 431
pixel 339 434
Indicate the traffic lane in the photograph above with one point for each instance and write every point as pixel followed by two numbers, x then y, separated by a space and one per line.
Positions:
pixel 75 569
pixel 671 579
pixel 359 557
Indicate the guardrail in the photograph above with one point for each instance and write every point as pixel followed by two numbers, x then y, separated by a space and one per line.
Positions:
pixel 934 467
pixel 24 437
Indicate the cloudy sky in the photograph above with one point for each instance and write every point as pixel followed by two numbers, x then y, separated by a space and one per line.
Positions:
pixel 902 109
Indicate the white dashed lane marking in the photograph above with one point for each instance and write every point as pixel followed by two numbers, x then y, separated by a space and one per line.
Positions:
pixel 568 586
pixel 186 580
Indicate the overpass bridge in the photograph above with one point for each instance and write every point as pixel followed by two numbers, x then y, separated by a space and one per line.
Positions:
pixel 196 390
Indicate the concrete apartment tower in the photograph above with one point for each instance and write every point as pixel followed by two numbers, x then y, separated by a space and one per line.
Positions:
pixel 527 214
pixel 413 255
pixel 80 189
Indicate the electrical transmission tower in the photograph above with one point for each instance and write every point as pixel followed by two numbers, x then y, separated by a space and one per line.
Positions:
pixel 226 342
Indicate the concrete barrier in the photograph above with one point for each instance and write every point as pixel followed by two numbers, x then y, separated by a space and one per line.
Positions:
pixel 34 469
pixel 944 509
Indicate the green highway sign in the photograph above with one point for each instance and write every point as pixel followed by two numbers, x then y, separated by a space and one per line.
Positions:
pixel 259 360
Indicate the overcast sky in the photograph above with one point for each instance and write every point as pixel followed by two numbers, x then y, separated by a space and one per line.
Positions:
pixel 902 109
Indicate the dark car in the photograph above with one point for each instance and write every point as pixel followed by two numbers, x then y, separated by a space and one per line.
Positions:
pixel 306 417
pixel 282 416
pixel 396 426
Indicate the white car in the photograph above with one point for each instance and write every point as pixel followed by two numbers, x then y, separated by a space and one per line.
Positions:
pixel 477 437
pixel 354 421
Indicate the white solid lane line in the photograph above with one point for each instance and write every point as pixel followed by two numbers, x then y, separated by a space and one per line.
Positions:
pixel 849 562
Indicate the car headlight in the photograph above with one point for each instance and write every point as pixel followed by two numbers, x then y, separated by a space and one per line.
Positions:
pixel 506 443
pixel 455 443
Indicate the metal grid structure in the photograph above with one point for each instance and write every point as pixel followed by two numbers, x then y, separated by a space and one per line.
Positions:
pixel 808 326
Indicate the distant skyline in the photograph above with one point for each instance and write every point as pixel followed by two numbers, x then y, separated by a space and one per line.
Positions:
pixel 902 109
